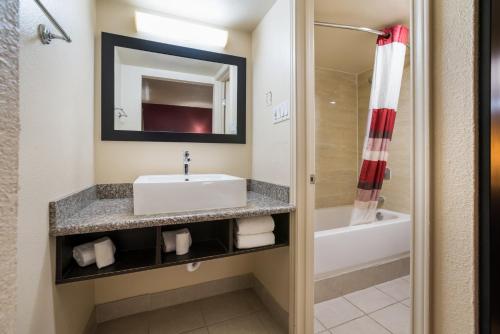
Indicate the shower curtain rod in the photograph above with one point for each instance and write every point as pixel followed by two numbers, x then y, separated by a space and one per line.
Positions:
pixel 345 26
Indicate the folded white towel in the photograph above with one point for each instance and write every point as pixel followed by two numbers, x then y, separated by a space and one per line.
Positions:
pixel 254 225
pixel 84 254
pixel 169 239
pixel 254 240
pixel 104 252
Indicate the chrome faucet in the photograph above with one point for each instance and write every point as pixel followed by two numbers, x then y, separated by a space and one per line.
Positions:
pixel 187 161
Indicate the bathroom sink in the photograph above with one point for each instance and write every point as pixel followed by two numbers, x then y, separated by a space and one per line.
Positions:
pixel 175 193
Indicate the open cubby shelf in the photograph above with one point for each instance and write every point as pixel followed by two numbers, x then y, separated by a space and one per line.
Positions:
pixel 141 249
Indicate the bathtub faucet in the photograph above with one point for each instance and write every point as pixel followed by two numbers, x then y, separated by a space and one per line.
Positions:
pixel 380 201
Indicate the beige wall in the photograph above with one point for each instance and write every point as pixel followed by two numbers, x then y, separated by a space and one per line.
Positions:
pixel 271 55
pixel 397 190
pixel 271 144
pixel 340 131
pixel 56 158
pixel 336 138
pixel 124 161
pixel 9 145
pixel 119 287
pixel 454 167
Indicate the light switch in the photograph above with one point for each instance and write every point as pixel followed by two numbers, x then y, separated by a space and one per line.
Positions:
pixel 281 112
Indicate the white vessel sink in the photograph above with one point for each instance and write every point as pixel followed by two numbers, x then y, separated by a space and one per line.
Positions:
pixel 173 193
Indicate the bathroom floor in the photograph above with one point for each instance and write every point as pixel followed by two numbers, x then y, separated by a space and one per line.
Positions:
pixel 380 309
pixel 239 312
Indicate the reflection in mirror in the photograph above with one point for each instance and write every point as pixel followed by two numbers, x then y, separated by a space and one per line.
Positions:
pixel 164 93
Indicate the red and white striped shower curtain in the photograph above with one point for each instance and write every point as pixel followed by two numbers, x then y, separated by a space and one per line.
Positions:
pixel 386 84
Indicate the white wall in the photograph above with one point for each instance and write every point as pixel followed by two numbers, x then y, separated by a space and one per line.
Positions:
pixel 271 54
pixel 56 158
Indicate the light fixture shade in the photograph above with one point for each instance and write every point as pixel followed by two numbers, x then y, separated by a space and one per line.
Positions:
pixel 178 30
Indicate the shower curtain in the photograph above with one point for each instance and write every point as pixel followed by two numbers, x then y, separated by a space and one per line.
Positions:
pixel 384 96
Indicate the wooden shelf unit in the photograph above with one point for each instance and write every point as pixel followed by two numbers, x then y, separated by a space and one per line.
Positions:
pixel 141 249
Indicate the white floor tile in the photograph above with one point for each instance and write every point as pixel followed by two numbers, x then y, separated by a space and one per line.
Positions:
pixel 318 327
pixel 370 300
pixel 336 311
pixel 364 325
pixel 395 318
pixel 407 302
pixel 398 289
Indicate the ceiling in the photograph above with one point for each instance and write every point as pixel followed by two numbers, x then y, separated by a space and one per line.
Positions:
pixel 233 14
pixel 353 51
pixel 167 62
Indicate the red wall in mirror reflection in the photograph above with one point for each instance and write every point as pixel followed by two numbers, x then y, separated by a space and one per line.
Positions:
pixel 170 118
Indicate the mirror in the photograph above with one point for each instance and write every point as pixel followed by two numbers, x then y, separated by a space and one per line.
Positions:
pixel 160 92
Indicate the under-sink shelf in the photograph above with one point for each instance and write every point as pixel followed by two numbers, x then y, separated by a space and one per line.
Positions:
pixel 141 249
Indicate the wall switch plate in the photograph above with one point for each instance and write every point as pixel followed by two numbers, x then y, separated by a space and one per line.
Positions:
pixel 281 112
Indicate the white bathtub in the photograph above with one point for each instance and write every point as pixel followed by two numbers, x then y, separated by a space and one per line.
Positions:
pixel 340 248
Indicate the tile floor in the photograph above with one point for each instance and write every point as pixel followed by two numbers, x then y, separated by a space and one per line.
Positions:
pixel 239 312
pixel 380 309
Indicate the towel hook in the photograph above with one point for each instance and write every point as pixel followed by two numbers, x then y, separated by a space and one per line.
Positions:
pixel 46 36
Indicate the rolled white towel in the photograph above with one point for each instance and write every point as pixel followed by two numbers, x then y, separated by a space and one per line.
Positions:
pixel 254 225
pixel 169 239
pixel 254 240
pixel 84 254
pixel 104 252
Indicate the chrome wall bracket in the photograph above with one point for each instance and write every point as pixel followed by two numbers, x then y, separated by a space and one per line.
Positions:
pixel 46 36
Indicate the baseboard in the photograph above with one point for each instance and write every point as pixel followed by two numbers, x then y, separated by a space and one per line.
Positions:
pixel 333 287
pixel 91 326
pixel 277 312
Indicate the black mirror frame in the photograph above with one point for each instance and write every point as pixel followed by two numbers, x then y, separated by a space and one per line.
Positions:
pixel 108 132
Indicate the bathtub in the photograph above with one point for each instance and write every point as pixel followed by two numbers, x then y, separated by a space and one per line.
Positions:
pixel 340 248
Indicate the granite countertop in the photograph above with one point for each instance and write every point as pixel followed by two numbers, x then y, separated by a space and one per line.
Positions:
pixel 102 214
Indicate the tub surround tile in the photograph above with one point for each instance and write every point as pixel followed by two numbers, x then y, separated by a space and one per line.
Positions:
pixel 109 207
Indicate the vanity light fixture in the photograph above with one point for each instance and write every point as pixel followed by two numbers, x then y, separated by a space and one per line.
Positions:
pixel 178 30
pixel 333 102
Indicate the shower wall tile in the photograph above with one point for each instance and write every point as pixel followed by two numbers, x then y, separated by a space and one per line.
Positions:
pixel 397 190
pixel 336 138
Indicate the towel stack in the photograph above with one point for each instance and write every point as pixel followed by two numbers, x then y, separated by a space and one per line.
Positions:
pixel 100 251
pixel 177 241
pixel 254 232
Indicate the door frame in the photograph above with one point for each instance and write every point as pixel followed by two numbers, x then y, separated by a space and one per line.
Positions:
pixel 304 167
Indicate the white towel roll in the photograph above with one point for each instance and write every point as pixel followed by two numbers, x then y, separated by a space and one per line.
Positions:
pixel 169 239
pixel 84 254
pixel 182 243
pixel 104 252
pixel 254 240
pixel 254 225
